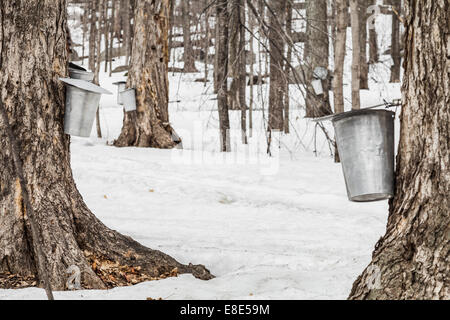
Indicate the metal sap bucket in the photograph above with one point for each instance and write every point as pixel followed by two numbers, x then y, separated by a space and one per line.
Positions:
pixel 82 100
pixel 128 98
pixel 120 87
pixel 81 75
pixel 365 141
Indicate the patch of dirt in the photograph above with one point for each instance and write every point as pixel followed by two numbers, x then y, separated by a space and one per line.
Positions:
pixel 14 281
pixel 115 275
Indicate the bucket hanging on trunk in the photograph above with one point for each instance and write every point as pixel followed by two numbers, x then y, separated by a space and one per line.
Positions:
pixel 365 142
pixel 82 100
pixel 120 87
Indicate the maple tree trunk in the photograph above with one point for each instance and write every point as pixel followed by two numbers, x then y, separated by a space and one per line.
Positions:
pixel 277 80
pixel 188 52
pixel 411 260
pixel 317 56
pixel 395 41
pixel 34 100
pixel 149 126
pixel 222 70
pixel 356 67
pixel 364 65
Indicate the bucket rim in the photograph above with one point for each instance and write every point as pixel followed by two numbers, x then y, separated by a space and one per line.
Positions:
pixel 85 85
pixel 351 113
pixel 127 90
pixel 76 66
pixel 119 82
pixel 72 70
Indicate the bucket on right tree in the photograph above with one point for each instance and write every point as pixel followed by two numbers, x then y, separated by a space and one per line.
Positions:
pixel 365 141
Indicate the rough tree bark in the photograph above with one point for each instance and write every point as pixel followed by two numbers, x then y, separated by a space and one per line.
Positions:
pixel 33 56
pixel 373 42
pixel 411 261
pixel 356 68
pixel 277 78
pixel 317 56
pixel 395 41
pixel 92 33
pixel 339 58
pixel 364 66
pixel 242 72
pixel 222 70
pixel 287 67
pixel 188 52
pixel 149 126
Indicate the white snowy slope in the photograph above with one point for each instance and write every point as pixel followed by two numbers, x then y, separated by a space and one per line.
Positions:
pixel 279 228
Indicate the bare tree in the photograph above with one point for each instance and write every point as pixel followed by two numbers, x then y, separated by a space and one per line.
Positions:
pixel 222 71
pixel 149 125
pixel 411 260
pixel 277 77
pixel 364 65
pixel 395 41
pixel 188 52
pixel 356 67
pixel 70 234
pixel 317 56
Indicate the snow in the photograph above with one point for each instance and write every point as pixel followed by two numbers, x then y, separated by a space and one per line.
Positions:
pixel 267 228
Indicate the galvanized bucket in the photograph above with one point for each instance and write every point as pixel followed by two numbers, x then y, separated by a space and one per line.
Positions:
pixel 128 98
pixel 82 100
pixel 365 141
pixel 120 87
pixel 81 75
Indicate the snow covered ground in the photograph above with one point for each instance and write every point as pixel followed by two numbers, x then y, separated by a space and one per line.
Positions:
pixel 267 228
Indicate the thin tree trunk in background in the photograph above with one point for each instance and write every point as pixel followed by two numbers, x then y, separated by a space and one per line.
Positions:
pixel 339 55
pixel 126 30
pixel 222 62
pixel 287 68
pixel 100 4
pixel 171 25
pixel 364 66
pixel 354 16
pixel 206 47
pixel 92 33
pixel 252 71
pixel 411 260
pixel 188 52
pixel 111 30
pixel 373 42
pixel 242 71
pixel 216 54
pixel 277 78
pixel 233 54
pixel 106 34
pixel 395 41
pixel 339 58
pixel 85 18
pixel 317 56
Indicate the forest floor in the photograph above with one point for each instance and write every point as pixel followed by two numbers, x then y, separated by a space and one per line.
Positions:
pixel 267 228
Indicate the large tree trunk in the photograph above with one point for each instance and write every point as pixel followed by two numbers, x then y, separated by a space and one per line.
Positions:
pixel 411 260
pixel 277 77
pixel 317 56
pixel 33 56
pixel 149 126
